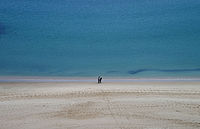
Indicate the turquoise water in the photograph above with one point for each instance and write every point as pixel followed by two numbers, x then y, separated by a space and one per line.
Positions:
pixel 139 38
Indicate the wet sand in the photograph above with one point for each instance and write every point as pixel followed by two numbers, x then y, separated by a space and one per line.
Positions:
pixel 87 105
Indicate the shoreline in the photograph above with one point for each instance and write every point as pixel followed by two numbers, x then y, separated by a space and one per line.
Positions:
pixel 94 79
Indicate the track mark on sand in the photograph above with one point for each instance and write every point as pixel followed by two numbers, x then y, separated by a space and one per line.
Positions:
pixel 80 111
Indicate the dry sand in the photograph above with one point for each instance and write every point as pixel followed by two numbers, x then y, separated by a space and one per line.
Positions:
pixel 141 105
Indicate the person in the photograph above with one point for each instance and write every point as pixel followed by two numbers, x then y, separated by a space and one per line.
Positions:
pixel 99 79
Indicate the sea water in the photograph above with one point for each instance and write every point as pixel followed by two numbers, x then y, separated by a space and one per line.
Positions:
pixel 137 38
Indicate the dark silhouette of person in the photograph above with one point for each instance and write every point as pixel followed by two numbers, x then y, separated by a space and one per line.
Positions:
pixel 99 79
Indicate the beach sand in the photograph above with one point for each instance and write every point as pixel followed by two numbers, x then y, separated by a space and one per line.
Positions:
pixel 87 105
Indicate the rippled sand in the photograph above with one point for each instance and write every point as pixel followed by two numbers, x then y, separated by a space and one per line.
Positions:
pixel 148 105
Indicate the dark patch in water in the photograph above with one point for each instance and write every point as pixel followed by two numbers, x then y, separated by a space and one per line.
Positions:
pixel 163 70
pixel 137 71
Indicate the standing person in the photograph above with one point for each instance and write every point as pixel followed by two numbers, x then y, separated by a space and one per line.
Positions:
pixel 99 79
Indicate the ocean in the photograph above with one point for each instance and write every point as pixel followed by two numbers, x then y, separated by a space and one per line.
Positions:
pixel 83 38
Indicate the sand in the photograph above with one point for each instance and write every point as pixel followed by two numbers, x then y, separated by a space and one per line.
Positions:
pixel 87 105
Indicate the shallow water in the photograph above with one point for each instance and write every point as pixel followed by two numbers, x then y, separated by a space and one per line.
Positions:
pixel 139 38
